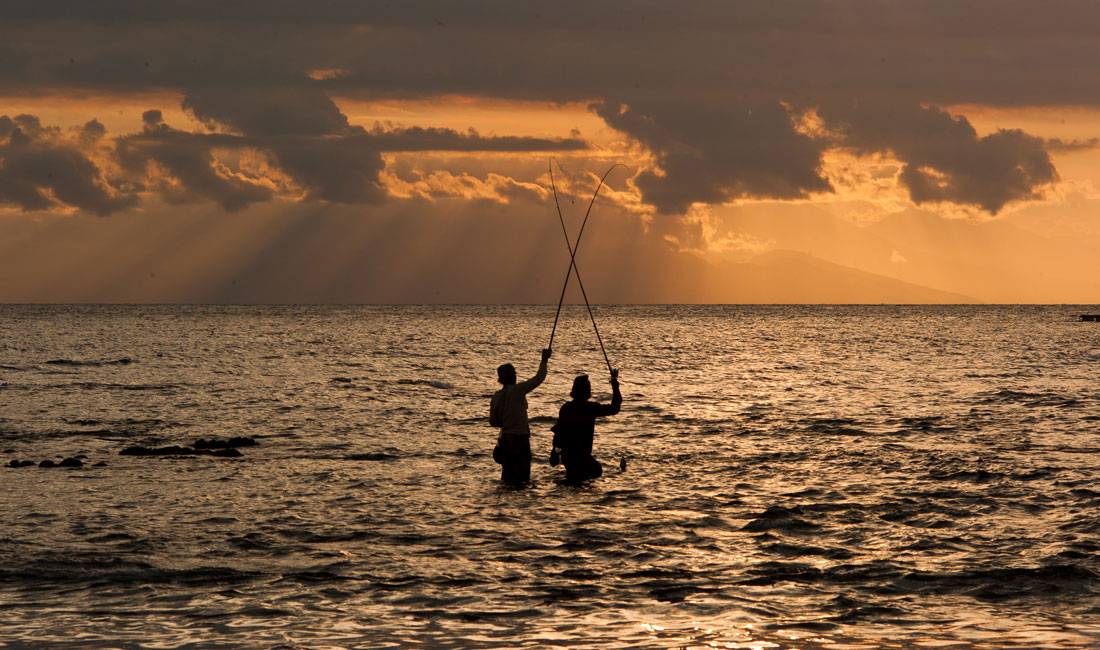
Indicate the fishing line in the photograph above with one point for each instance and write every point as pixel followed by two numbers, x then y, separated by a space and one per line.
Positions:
pixel 573 260
pixel 572 250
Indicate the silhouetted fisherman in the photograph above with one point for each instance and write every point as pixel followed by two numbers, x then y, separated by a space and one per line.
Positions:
pixel 576 427
pixel 508 410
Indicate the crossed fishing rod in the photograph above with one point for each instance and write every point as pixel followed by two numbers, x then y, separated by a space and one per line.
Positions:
pixel 573 270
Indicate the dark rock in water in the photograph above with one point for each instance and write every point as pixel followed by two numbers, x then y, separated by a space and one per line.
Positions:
pixel 47 463
pixel 176 450
pixel 231 443
pixel 21 463
pixel 71 462
pixel 100 464
pixel 341 380
pixel 374 455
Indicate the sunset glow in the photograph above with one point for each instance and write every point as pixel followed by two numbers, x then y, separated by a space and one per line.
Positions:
pixel 942 167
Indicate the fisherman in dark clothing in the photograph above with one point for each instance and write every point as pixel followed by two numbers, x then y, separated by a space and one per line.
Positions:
pixel 576 425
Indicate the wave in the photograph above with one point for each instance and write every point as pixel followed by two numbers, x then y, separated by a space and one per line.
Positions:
pixel 73 362
pixel 130 425
pixel 434 383
pixel 832 426
pixel 803 550
pixel 89 385
pixel 923 424
pixel 780 518
pixel 1031 400
pixel 374 455
pixel 108 571
pixel 1004 583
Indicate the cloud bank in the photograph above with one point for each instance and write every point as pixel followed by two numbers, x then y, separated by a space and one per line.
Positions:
pixel 716 93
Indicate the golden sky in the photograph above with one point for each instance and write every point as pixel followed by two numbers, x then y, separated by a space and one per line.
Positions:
pixel 372 152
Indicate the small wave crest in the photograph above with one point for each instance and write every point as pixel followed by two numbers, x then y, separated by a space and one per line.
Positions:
pixel 832 426
pixel 434 383
pixel 1005 583
pixel 1029 399
pixel 100 571
pixel 124 361
pixel 780 518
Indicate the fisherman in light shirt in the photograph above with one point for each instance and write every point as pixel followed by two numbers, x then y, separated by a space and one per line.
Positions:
pixel 508 410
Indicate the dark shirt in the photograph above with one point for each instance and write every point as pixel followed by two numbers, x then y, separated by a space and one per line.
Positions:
pixel 576 424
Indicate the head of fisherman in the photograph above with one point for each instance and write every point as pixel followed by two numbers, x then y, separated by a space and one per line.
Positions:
pixel 582 389
pixel 506 374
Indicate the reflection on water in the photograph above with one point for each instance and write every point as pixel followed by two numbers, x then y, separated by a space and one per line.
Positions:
pixel 798 477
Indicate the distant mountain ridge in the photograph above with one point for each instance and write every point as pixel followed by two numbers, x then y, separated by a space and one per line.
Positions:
pixel 784 276
pixel 1003 260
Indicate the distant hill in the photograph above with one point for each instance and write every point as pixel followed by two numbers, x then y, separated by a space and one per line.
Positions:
pixel 793 277
pixel 1034 256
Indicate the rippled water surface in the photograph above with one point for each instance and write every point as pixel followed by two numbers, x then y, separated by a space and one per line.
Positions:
pixel 796 477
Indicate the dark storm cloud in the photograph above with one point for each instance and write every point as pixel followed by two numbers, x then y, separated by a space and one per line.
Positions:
pixel 185 166
pixel 340 170
pixel 716 153
pixel 418 138
pixel 1000 51
pixel 91 133
pixel 686 72
pixel 998 17
pixel 285 122
pixel 40 169
pixel 281 112
pixel 301 133
pixel 267 111
pixel 1058 144
pixel 13 63
pixel 944 159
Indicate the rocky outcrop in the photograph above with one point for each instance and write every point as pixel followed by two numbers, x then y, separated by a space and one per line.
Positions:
pixel 213 447
pixel 46 464
pixel 374 455
pixel 176 450
pixel 230 443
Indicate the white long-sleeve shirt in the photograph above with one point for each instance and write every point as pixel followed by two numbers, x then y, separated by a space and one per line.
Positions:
pixel 508 408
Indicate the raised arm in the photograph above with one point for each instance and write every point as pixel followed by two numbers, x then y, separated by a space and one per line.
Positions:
pixel 616 397
pixel 533 383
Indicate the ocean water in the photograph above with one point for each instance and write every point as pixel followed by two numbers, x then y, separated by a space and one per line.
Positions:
pixel 796 477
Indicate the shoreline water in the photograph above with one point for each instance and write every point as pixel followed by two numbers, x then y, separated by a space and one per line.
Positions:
pixel 800 476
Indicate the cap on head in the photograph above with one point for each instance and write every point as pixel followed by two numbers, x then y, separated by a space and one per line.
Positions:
pixel 582 388
pixel 506 374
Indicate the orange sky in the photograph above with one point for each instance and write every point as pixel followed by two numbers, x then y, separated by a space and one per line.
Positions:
pixel 376 156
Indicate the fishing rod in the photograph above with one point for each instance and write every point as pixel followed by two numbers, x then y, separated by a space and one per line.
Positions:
pixel 573 260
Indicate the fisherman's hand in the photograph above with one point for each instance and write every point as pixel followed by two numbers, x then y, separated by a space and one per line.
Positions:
pixel 615 377
pixel 546 354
